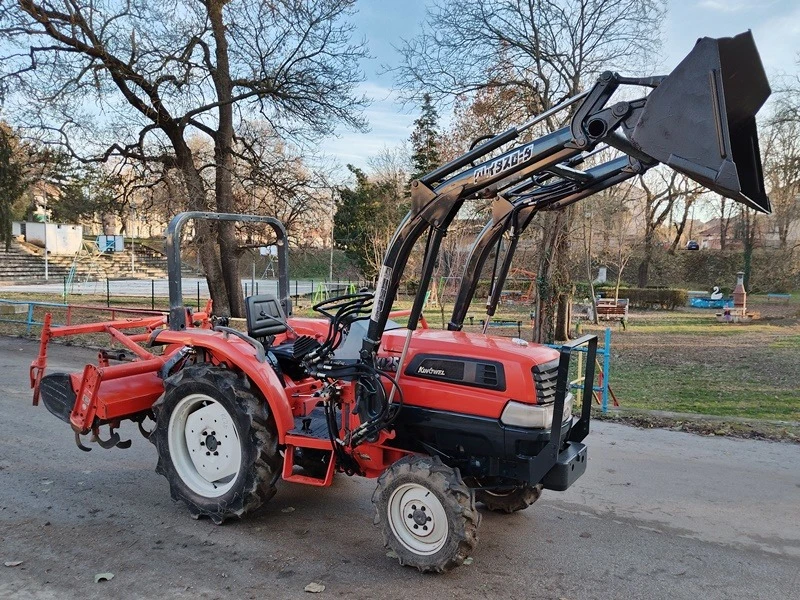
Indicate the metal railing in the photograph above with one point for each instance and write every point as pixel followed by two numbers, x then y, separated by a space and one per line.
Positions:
pixel 602 387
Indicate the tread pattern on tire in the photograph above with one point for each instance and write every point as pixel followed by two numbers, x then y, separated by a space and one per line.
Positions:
pixel 520 499
pixel 457 497
pixel 261 461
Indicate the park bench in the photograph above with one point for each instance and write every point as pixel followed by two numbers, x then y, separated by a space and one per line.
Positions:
pixel 779 297
pixel 613 310
pixel 505 323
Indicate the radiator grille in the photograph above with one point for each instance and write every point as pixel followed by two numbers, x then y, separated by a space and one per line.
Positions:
pixel 544 378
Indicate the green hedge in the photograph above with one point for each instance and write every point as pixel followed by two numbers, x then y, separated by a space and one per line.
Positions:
pixel 666 299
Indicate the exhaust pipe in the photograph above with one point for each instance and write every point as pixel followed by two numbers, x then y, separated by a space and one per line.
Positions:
pixel 701 121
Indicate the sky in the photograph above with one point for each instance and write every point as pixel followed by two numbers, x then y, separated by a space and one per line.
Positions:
pixel 383 23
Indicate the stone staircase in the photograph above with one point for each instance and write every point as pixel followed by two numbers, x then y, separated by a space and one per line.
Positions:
pixel 20 266
pixel 24 263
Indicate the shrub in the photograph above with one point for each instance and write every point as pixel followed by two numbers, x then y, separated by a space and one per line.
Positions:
pixel 666 299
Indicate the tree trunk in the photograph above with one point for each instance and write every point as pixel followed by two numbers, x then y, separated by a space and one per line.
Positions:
pixel 748 262
pixel 643 277
pixel 223 157
pixel 552 267
pixel 724 222
pixel 587 246
pixel 208 250
pixel 680 227
pixel 563 317
pixel 749 218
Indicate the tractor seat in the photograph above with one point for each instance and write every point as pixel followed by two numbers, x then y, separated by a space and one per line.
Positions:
pixel 265 320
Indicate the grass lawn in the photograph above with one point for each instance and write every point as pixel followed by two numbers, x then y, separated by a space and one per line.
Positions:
pixel 704 367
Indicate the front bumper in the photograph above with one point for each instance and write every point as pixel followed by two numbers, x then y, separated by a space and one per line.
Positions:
pixel 570 465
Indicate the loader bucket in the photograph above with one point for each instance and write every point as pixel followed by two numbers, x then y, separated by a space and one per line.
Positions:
pixel 701 119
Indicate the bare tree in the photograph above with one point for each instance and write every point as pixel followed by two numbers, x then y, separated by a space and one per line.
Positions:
pixel 618 211
pixel 539 51
pixel 391 165
pixel 749 231
pixel 781 150
pixel 588 252
pixel 724 211
pixel 133 80
pixel 686 203
pixel 662 189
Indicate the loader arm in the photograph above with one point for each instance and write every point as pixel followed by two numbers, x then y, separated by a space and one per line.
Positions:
pixel 699 120
pixel 512 212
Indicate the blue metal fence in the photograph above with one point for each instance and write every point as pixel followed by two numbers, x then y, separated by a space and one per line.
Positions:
pixel 605 353
pixel 29 321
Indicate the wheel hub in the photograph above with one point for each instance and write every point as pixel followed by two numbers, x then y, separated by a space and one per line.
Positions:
pixel 211 442
pixel 204 445
pixel 418 519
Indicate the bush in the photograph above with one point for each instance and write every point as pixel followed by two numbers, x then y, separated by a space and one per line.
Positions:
pixel 666 299
pixel 773 270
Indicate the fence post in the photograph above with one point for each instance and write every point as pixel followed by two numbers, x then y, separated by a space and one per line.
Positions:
pixel 29 320
pixel 108 293
pixel 198 296
pixel 245 289
pixel 65 289
pixel 606 367
pixel 152 294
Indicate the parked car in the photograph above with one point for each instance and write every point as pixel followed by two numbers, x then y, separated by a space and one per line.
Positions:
pixel 692 245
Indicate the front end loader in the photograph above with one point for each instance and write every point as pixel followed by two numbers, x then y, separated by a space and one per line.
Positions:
pixel 442 419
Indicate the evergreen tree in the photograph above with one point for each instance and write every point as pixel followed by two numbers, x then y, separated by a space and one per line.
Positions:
pixel 425 140
pixel 366 216
pixel 12 183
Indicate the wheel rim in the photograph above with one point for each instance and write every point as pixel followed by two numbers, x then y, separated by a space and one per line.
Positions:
pixel 418 519
pixel 204 445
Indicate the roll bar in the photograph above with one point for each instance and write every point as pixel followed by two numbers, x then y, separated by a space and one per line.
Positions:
pixel 177 311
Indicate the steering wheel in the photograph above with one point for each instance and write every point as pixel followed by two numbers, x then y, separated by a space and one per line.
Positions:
pixel 341 312
pixel 334 307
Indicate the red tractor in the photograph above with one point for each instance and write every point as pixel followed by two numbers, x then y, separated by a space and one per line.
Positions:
pixel 442 419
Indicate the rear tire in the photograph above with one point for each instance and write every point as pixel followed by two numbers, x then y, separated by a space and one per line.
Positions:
pixel 216 443
pixel 426 514
pixel 510 500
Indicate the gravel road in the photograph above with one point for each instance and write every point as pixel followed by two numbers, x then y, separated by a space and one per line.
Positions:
pixel 659 514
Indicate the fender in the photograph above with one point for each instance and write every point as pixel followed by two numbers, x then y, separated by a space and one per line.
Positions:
pixel 237 352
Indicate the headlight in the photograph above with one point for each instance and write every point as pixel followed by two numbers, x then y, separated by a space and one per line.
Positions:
pixel 533 415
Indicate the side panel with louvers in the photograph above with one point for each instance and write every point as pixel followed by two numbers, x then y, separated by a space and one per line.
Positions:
pixel 487 374
pixel 544 378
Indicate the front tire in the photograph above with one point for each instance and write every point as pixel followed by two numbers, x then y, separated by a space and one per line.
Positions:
pixel 216 443
pixel 426 514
